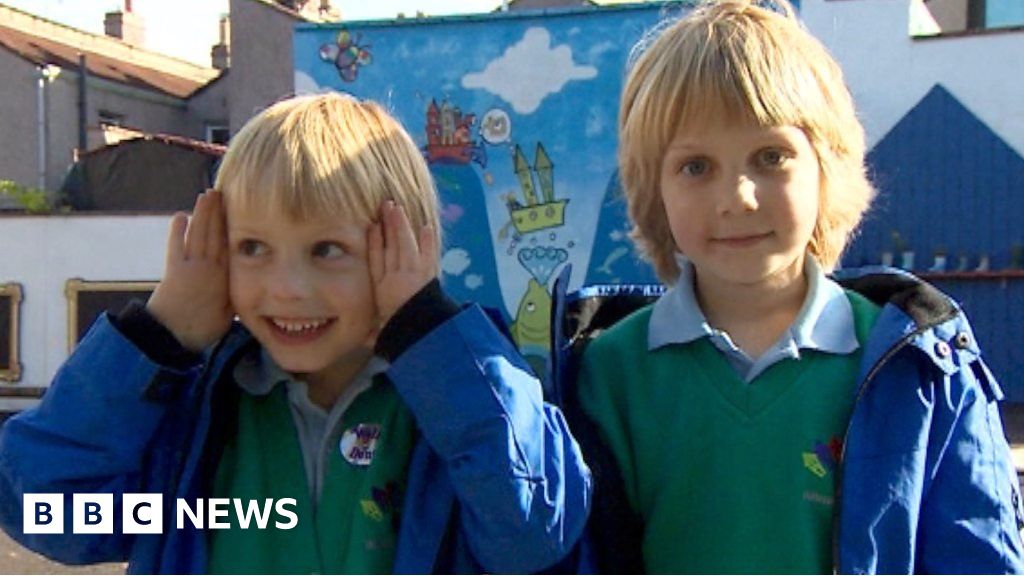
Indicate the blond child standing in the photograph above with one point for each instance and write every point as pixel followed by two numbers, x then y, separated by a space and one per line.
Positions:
pixel 761 416
pixel 408 431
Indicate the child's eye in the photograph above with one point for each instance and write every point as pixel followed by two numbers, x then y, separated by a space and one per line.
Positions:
pixel 695 167
pixel 329 250
pixel 772 157
pixel 251 248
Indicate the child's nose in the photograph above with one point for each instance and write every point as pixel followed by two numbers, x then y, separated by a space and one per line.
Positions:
pixel 739 195
pixel 289 281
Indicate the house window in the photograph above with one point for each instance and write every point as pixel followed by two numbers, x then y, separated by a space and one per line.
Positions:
pixel 217 134
pixel 958 17
pixel 1004 13
pixel 10 306
pixel 87 300
pixel 108 118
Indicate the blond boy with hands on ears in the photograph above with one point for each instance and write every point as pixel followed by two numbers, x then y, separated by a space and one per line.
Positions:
pixel 322 236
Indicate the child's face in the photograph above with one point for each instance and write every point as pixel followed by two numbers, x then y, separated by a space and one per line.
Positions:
pixel 742 201
pixel 303 289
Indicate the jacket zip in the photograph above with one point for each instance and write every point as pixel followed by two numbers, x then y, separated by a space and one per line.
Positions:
pixel 892 351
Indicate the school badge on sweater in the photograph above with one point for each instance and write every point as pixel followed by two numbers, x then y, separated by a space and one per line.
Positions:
pixel 359 443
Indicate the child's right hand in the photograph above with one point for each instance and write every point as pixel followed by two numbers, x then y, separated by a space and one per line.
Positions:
pixel 192 299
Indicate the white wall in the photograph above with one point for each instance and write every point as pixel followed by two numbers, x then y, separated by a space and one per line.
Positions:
pixel 889 72
pixel 42 253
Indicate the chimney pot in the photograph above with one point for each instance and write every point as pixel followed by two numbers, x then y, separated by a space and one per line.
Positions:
pixel 125 25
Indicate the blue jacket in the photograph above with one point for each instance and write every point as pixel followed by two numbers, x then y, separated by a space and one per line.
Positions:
pixel 927 484
pixel 495 482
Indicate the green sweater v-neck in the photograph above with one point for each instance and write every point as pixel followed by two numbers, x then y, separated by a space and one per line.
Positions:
pixel 729 477
pixel 354 527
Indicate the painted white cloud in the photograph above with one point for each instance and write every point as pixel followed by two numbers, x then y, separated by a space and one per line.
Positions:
pixel 529 71
pixel 455 261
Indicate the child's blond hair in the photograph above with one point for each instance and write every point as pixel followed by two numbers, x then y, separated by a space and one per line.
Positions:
pixel 328 155
pixel 751 62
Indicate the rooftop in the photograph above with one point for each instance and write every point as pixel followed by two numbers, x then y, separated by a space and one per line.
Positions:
pixel 43 42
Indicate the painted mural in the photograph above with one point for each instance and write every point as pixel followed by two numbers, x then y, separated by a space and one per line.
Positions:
pixel 515 115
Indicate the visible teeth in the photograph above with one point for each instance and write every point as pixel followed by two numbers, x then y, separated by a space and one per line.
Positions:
pixel 290 326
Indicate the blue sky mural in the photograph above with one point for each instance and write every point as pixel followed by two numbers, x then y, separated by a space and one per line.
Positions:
pixel 516 115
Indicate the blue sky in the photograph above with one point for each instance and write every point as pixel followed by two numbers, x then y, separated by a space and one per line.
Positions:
pixel 187 28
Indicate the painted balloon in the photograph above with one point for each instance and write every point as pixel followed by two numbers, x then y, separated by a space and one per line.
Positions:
pixel 496 126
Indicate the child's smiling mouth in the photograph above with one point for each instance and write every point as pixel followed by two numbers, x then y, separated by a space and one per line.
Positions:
pixel 298 330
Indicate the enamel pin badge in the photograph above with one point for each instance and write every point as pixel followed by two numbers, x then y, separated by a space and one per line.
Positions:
pixel 359 443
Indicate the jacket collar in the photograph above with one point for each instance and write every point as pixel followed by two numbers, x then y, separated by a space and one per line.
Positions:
pixel 925 304
pixel 914 313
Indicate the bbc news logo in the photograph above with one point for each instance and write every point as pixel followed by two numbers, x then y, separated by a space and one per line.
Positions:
pixel 144 513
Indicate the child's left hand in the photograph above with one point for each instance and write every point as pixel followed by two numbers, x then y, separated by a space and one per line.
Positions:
pixel 401 262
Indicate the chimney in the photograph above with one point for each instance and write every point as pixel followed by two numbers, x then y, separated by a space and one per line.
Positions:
pixel 329 13
pixel 125 25
pixel 220 54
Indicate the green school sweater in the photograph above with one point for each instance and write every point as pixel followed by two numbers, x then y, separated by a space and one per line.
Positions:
pixel 354 528
pixel 728 477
